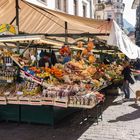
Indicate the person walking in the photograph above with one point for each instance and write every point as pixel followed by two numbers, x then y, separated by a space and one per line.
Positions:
pixel 127 80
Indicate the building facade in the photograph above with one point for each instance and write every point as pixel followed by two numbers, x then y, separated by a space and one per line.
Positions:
pixel 136 5
pixel 110 9
pixel 83 8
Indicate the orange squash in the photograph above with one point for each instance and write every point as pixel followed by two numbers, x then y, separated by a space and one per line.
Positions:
pixel 80 44
pixel 91 59
pixel 85 52
pixel 90 45
pixel 91 69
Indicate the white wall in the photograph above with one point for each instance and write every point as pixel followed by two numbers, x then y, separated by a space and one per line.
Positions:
pixel 70 9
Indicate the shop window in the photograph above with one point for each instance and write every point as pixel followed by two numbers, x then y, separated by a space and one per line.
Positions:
pixel 75 7
pixel 58 4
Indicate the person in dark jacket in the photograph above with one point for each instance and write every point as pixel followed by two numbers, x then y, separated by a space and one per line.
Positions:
pixel 127 80
pixel 53 58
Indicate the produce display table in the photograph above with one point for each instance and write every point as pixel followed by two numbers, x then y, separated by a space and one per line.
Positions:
pixel 48 94
pixel 44 114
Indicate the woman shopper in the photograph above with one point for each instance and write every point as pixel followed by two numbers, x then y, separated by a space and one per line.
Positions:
pixel 127 80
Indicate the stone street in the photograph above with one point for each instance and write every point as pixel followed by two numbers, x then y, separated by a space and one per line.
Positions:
pixel 121 121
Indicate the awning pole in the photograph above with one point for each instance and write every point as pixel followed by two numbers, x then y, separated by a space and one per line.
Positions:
pixel 36 63
pixel 17 20
pixel 66 33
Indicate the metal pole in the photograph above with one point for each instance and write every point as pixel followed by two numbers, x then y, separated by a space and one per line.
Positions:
pixel 36 56
pixel 17 20
pixel 66 33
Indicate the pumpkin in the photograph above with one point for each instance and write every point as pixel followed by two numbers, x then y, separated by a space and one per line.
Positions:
pixel 91 70
pixel 65 50
pixel 91 59
pixel 80 44
pixel 90 45
pixel 78 54
pixel 85 52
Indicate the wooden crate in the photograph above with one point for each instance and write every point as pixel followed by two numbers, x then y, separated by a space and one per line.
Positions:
pixel 35 101
pixel 61 102
pixel 12 100
pixel 3 101
pixel 24 100
pixel 47 101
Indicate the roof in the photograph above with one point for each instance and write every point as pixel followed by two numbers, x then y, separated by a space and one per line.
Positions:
pixel 38 19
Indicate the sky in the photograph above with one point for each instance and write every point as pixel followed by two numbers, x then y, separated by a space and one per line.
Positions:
pixel 129 14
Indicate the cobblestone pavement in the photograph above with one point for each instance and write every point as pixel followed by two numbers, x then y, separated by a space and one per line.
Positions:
pixel 121 121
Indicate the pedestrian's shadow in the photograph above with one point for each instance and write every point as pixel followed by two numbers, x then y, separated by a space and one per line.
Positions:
pixel 130 116
pixel 119 102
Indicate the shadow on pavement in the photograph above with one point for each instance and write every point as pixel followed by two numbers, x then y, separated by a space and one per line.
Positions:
pixel 119 102
pixel 130 116
pixel 69 128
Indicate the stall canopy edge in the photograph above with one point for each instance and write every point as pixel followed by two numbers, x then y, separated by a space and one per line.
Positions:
pixel 38 19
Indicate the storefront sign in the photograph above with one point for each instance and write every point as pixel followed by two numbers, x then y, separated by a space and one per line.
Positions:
pixel 7 29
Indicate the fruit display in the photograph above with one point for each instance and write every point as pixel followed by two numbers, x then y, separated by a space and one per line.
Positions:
pixel 73 84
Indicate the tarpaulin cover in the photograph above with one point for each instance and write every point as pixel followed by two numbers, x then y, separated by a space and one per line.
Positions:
pixel 36 18
pixel 122 41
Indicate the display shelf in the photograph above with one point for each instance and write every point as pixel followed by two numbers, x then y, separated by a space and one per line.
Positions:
pixel 63 102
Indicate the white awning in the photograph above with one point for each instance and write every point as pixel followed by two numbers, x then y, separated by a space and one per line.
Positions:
pixel 122 41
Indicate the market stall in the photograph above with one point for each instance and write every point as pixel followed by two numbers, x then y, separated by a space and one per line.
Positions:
pixel 59 88
pixel 37 91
